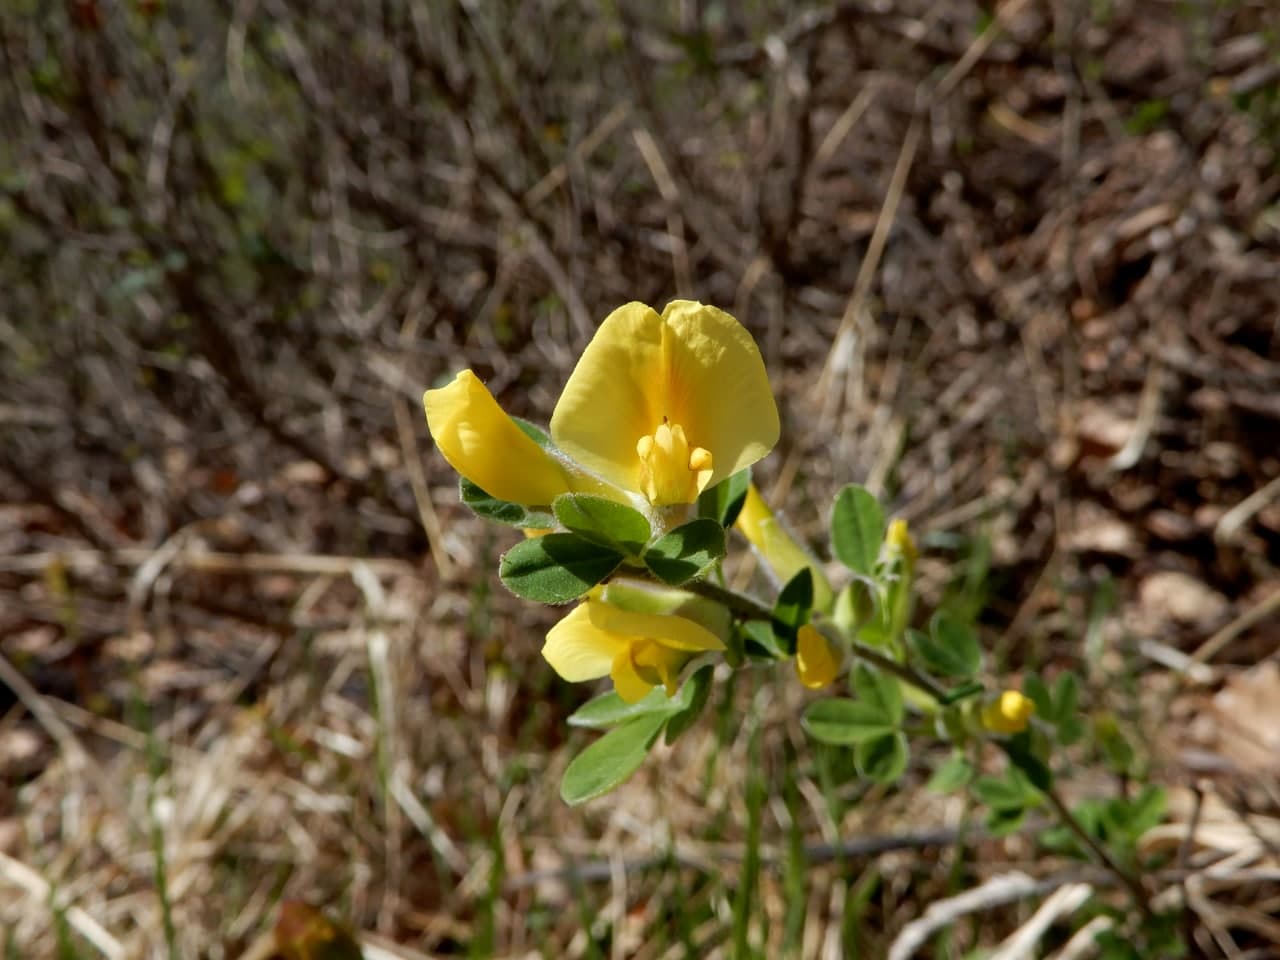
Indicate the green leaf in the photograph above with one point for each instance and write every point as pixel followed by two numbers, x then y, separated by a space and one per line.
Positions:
pixel 603 521
pixel 611 759
pixel 882 759
pixel 792 610
pixel 1023 756
pixel 1035 690
pixel 955 772
pixel 556 568
pixel 762 641
pixel 949 649
pixel 723 502
pixel 502 511
pixel 857 529
pixel 1000 793
pixel 610 710
pixel 1066 708
pixel 1001 823
pixel 692 698
pixel 842 722
pixel 879 690
pixel 686 551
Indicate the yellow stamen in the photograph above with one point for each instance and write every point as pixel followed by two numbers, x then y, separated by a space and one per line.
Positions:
pixel 671 471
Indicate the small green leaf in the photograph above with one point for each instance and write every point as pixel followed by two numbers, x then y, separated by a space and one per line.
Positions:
pixel 955 772
pixel 762 641
pixel 1001 823
pixel 723 502
pixel 1000 793
pixel 857 529
pixel 1022 755
pixel 609 709
pixel 690 701
pixel 1066 706
pixel 1034 689
pixel 880 691
pixel 842 722
pixel 611 759
pixel 882 759
pixel 949 649
pixel 556 568
pixel 502 511
pixel 686 551
pixel 602 521
pixel 792 610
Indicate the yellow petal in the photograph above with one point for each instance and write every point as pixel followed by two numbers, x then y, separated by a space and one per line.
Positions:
pixel 578 650
pixel 816 661
pixel 614 396
pixel 627 681
pixel 694 367
pixel 666 629
pixel 716 386
pixel 484 444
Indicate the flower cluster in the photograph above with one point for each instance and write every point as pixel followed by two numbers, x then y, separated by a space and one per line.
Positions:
pixel 659 408
pixel 626 503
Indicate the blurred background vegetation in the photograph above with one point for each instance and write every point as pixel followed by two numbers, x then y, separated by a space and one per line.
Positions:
pixel 1016 267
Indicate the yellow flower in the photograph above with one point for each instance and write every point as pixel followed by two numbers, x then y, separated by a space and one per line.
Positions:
pixel 661 406
pixel 1009 713
pixel 638 650
pixel 785 557
pixel 817 661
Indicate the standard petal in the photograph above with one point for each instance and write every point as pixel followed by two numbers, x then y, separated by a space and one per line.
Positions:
pixel 614 396
pixel 484 444
pixel 578 650
pixel 716 387
pixel 666 629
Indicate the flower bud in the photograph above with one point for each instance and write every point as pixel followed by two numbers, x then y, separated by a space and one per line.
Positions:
pixel 1008 714
pixel 817 658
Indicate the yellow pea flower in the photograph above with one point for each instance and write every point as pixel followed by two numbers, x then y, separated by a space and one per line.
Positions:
pixel 638 650
pixel 1008 714
pixel 817 660
pixel 658 408
pixel 779 549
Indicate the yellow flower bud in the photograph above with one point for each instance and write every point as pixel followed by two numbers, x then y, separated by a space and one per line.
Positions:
pixel 1008 714
pixel 817 660
pixel 898 540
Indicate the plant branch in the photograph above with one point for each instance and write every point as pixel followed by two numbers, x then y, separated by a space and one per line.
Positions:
pixel 904 672
pixel 1127 879
pixel 753 609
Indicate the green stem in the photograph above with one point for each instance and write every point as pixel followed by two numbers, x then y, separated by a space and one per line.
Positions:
pixel 753 609
pixel 1127 879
